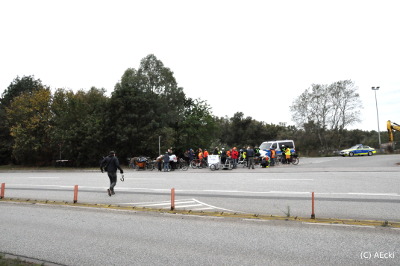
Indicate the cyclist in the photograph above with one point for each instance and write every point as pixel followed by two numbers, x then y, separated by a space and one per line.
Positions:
pixel 200 155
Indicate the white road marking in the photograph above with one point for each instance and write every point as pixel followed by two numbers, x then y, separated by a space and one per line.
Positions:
pixel 344 225
pixel 216 191
pixel 280 179
pixel 180 204
pixel 214 207
pixel 43 177
pixel 256 220
pixel 187 206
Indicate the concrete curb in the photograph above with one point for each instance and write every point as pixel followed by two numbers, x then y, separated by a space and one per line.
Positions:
pixel 333 221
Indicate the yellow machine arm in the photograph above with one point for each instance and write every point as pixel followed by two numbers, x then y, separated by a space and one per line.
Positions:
pixel 392 127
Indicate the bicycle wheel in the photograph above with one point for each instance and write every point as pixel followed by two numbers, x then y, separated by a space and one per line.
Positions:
pixel 230 166
pixel 213 167
pixel 183 167
pixel 295 160
pixel 193 164
pixel 150 166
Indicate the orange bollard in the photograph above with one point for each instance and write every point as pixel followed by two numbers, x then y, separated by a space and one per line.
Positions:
pixel 3 187
pixel 76 194
pixel 312 206
pixel 172 199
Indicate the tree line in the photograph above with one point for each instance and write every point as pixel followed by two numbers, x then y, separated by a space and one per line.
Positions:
pixel 147 112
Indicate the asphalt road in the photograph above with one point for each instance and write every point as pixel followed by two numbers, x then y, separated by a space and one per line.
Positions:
pixel 347 188
pixel 361 187
pixel 89 236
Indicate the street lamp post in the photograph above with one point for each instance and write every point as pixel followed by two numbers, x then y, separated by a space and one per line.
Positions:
pixel 159 145
pixel 377 116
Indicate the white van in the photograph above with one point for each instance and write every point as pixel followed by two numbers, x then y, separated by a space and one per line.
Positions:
pixel 266 146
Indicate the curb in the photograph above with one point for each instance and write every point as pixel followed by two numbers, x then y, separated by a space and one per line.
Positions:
pixel 333 221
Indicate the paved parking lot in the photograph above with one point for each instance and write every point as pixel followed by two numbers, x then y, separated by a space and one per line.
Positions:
pixel 351 188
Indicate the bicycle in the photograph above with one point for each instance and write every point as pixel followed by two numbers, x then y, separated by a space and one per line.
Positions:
pixel 278 160
pixel 150 165
pixel 182 165
pixel 295 159
pixel 196 163
pixel 242 162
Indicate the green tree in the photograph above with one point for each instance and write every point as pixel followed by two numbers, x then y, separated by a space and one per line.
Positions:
pixel 29 117
pixel 198 126
pixel 15 89
pixel 145 104
pixel 79 125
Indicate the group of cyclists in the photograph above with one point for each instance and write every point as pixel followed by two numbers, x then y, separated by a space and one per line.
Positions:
pixel 245 157
pixel 241 157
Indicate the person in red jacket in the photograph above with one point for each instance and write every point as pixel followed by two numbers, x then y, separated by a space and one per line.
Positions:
pixel 234 156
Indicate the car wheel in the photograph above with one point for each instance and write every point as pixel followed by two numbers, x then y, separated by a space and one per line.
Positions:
pixel 351 154
pixel 370 153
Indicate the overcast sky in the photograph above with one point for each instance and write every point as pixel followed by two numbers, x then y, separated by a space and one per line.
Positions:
pixel 250 56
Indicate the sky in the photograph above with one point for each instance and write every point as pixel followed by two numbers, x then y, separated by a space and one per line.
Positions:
pixel 251 56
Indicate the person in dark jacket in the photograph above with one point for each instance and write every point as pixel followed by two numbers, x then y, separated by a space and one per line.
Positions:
pixel 250 157
pixel 166 162
pixel 110 164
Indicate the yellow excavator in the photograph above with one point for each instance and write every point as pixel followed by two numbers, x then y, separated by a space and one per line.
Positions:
pixel 392 127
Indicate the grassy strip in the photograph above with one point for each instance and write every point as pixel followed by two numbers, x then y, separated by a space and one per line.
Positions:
pixel 8 261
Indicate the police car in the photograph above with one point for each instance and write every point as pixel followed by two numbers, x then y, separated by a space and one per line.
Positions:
pixel 358 149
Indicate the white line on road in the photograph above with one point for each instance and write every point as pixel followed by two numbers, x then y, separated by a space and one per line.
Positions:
pixel 256 220
pixel 202 209
pixel 151 202
pixel 214 207
pixel 181 204
pixel 279 179
pixel 43 177
pixel 344 225
pixel 217 191
pixel 186 206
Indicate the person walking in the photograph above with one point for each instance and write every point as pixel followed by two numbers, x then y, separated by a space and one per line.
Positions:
pixel 110 164
pixel 250 157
